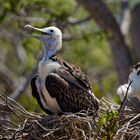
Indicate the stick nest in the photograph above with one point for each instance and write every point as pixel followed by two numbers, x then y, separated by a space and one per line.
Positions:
pixel 112 121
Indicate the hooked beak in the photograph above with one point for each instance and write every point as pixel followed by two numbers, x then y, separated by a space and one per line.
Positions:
pixel 30 28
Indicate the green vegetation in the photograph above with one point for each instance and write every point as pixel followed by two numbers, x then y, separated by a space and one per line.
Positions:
pixel 84 44
pixel 108 124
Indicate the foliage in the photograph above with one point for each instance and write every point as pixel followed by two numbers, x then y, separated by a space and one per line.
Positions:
pixel 108 124
pixel 86 45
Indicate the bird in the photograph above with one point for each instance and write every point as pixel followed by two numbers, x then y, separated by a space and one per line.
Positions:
pixel 132 87
pixel 59 87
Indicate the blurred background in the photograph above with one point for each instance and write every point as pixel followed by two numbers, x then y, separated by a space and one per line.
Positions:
pixel 102 37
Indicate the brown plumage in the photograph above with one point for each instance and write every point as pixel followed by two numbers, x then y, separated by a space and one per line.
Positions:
pixel 58 86
pixel 74 88
pixel 70 87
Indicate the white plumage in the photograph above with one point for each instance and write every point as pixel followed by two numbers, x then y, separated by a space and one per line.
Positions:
pixel 43 71
pixel 52 41
pixel 133 83
pixel 58 86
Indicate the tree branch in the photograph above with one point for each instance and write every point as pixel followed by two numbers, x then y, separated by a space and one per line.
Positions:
pixel 105 20
pixel 8 78
pixel 74 22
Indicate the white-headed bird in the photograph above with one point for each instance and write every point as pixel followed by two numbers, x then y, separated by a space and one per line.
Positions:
pixel 58 86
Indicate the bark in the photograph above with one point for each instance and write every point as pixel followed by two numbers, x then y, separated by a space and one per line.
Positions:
pixel 105 20
pixel 135 29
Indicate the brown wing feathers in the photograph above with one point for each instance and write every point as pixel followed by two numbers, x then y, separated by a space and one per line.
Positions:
pixel 74 71
pixel 70 97
pixel 71 88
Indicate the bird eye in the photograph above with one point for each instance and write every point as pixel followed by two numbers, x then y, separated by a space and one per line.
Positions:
pixel 51 31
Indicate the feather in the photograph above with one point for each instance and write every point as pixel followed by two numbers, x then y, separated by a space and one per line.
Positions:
pixel 60 86
pixel 134 86
pixel 69 96
pixel 71 70
pixel 35 94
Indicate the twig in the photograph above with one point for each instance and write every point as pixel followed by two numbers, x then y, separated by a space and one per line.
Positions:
pixel 38 133
pixel 14 111
pixel 74 22
pixel 28 19
pixel 127 124
pixel 126 94
pixel 11 104
pixel 41 126
pixel 138 123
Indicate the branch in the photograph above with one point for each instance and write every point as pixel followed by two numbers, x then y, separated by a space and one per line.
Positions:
pixel 8 77
pixel 121 55
pixel 10 106
pixel 28 19
pixel 126 96
pixel 74 22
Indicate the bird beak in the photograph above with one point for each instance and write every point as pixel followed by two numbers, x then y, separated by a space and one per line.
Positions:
pixel 30 28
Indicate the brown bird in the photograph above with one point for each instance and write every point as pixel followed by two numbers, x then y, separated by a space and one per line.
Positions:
pixel 60 87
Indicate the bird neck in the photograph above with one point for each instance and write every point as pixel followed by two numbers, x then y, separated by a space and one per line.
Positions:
pixel 50 47
pixel 48 53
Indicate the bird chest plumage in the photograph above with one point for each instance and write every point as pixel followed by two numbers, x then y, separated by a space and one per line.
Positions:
pixel 43 70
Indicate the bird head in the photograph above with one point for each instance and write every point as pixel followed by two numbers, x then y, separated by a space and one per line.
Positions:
pixel 51 37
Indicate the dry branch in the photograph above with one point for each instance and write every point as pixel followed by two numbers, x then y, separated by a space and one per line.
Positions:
pixel 26 126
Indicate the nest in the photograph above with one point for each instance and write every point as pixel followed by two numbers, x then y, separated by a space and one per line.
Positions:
pixel 112 121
